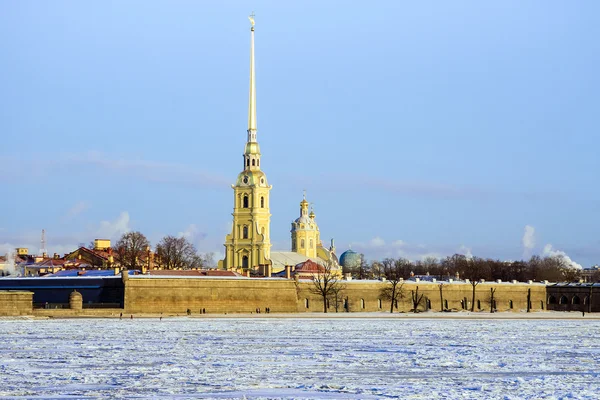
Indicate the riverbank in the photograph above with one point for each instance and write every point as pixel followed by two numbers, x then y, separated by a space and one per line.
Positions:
pixel 112 314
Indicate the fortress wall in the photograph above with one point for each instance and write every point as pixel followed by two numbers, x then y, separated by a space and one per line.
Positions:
pixel 177 295
pixel 16 303
pixel 365 296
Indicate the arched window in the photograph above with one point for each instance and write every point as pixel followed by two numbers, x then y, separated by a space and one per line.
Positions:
pixel 311 243
pixel 262 202
pixel 362 303
pixel 428 303
pixel 510 304
pixel 445 304
pixel 258 163
pixel 563 300
pixel 479 304
pixel 306 304
pixel 245 262
pixel 245 203
pixel 245 232
pixel 253 162
pixel 585 300
pixel 379 303
pixel 551 300
pixel 247 162
pixel 302 243
pixel 575 300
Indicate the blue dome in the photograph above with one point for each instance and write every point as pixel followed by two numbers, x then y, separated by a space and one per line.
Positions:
pixel 350 259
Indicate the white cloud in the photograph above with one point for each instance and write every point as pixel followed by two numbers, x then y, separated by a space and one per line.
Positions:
pixel 190 232
pixel 77 209
pixel 466 251
pixel 377 242
pixel 549 251
pixel 114 229
pixel 528 241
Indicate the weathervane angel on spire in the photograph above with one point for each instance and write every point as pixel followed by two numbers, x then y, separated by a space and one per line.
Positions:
pixel 251 18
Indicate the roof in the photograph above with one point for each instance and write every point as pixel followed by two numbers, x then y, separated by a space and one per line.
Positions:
pixel 166 272
pixel 280 259
pixel 309 266
pixel 74 272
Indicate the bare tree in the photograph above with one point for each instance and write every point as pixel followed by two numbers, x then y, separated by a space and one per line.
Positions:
pixel 337 296
pixel 325 282
pixel 177 253
pixel 491 300
pixel 416 299
pixel 130 248
pixel 393 272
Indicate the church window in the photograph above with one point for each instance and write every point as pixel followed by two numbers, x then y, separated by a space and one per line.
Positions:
pixel 262 202
pixel 551 300
pixel 253 162
pixel 311 243
pixel 575 300
pixel 245 230
pixel 247 162
pixel 302 243
pixel 245 201
pixel 245 262
pixel 563 300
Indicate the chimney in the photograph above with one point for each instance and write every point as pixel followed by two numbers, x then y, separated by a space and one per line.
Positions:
pixel 288 272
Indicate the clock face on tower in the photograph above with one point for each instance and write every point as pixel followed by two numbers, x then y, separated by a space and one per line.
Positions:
pixel 245 179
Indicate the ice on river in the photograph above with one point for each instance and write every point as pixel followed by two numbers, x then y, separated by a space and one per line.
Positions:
pixel 300 358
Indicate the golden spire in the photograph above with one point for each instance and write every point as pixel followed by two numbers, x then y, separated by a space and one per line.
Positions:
pixel 252 95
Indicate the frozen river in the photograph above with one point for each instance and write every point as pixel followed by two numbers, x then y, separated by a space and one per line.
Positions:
pixel 300 358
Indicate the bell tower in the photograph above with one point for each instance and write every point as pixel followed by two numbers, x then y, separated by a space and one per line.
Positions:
pixel 248 246
pixel 305 232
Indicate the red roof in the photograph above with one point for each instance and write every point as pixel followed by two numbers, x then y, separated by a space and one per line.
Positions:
pixel 309 266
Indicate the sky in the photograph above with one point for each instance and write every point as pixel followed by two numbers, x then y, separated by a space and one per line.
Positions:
pixel 416 128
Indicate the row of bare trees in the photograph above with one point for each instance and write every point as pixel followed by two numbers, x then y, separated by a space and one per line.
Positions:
pixel 133 250
pixel 553 269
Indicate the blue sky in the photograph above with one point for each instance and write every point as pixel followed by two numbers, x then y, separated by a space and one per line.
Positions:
pixel 416 128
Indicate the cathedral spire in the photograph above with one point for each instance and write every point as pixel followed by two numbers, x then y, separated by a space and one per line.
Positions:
pixel 252 94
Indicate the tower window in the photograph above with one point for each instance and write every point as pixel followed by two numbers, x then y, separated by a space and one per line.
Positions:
pixel 302 243
pixel 245 232
pixel 245 201
pixel 258 163
pixel 247 162
pixel 253 163
pixel 262 202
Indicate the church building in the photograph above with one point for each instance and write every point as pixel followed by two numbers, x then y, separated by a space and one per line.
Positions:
pixel 248 246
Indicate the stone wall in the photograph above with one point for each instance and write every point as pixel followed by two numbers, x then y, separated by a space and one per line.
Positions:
pixel 215 295
pixel 365 296
pixel 16 303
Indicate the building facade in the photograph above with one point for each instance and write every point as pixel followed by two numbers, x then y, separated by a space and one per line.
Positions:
pixel 248 246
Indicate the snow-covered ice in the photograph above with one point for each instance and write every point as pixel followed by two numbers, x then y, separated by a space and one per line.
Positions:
pixel 300 358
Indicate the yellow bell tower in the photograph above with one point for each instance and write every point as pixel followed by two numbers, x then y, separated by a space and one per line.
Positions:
pixel 305 232
pixel 248 246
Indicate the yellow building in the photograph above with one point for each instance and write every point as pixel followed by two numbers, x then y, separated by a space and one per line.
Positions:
pixel 248 246
pixel 305 232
